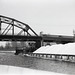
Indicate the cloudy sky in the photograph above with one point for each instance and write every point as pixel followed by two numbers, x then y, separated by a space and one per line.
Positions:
pixel 49 16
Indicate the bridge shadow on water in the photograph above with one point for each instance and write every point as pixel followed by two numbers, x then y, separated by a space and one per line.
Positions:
pixel 37 63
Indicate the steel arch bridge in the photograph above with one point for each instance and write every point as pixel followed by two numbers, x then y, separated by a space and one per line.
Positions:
pixel 12 23
pixel 14 30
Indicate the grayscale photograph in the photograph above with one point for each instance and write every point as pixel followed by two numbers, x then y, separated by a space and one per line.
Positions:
pixel 37 37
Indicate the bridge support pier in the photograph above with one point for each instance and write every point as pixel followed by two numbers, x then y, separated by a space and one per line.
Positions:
pixel 42 42
pixel 38 44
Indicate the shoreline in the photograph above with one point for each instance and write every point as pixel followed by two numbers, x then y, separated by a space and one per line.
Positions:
pixel 4 69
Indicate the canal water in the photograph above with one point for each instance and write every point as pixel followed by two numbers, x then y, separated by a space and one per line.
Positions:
pixel 37 63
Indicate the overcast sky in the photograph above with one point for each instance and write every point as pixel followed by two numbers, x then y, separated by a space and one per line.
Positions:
pixel 49 16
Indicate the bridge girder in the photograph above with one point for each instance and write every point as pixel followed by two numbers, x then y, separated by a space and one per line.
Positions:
pixel 19 38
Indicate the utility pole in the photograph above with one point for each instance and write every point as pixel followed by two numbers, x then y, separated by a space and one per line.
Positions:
pixel 0 26
pixel 74 35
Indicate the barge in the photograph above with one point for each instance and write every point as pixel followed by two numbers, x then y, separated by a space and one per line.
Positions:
pixel 58 57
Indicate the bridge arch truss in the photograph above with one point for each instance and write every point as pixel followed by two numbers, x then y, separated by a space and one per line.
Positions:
pixel 8 26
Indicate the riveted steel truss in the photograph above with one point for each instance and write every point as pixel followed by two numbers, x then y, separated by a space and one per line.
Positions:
pixel 11 24
pixel 12 29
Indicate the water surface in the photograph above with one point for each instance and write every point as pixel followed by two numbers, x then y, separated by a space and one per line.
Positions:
pixel 36 63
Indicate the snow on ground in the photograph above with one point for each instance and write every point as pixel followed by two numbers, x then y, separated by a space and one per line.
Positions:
pixel 11 70
pixel 58 49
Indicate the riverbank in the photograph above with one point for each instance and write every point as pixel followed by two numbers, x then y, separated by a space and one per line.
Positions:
pixel 37 64
pixel 4 69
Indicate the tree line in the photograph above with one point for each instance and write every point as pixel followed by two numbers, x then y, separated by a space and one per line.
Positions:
pixel 13 45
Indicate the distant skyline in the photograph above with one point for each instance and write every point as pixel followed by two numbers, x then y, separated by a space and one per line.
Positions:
pixel 56 17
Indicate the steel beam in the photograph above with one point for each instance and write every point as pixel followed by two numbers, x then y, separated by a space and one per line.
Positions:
pixel 5 29
pixel 19 38
pixel 13 28
pixel 8 30
pixel 0 26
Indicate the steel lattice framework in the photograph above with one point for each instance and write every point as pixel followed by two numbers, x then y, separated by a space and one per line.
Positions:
pixel 12 24
pixel 9 27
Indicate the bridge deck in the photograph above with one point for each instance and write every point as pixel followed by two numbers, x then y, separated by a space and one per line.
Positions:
pixel 19 38
pixel 35 38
